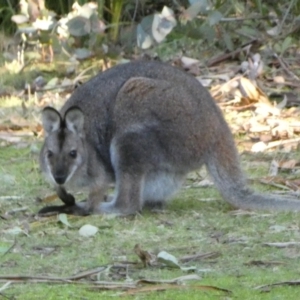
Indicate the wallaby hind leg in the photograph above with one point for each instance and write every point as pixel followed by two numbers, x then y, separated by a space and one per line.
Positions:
pixel 128 163
pixel 127 198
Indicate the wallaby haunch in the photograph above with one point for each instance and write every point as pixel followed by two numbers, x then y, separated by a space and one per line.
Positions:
pixel 143 126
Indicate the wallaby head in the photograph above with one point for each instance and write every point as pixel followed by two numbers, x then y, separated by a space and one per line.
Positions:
pixel 63 152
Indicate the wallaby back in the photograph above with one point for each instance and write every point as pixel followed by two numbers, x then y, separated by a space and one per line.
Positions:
pixel 96 98
pixel 146 125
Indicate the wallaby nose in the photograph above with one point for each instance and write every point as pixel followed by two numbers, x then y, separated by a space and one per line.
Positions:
pixel 60 179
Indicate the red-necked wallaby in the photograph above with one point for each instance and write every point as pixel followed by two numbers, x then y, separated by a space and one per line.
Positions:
pixel 143 126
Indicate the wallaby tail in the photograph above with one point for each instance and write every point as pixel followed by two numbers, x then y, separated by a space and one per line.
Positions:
pixel 223 165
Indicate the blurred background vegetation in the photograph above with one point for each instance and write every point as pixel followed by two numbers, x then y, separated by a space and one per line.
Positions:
pixel 146 24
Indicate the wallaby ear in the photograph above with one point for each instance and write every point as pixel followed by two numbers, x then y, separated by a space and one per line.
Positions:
pixel 51 119
pixel 74 119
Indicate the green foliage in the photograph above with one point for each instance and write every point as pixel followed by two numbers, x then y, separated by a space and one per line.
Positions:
pixel 116 12
pixel 77 32
pixel 7 8
pixel 61 7
pixel 218 23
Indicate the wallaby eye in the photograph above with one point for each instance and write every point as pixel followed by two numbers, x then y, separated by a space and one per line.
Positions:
pixel 49 153
pixel 73 153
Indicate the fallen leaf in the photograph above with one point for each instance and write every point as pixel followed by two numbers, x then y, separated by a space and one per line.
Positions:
pixel 204 81
pixel 88 230
pixel 288 164
pixel 259 147
pixel 49 198
pixel 199 256
pixel 19 121
pixel 293 184
pixel 63 218
pixel 143 255
pixel 279 79
pixel 16 230
pixel 187 62
pixel 168 259
pixel 252 92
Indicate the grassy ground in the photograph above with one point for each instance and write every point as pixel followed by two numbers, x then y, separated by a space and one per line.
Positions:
pixel 197 221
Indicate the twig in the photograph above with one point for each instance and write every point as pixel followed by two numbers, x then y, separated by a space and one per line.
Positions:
pixel 10 248
pixel 135 10
pixel 277 185
pixel 87 273
pixel 11 197
pixel 279 143
pixel 17 210
pixel 21 278
pixel 244 107
pixel 270 17
pixel 285 15
pixel 64 87
pixel 138 285
pixel 284 67
pixel 240 19
pixel 81 275
pixel 78 77
pixel 24 66
pixel 291 282
pixel 198 256
pixel 232 54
